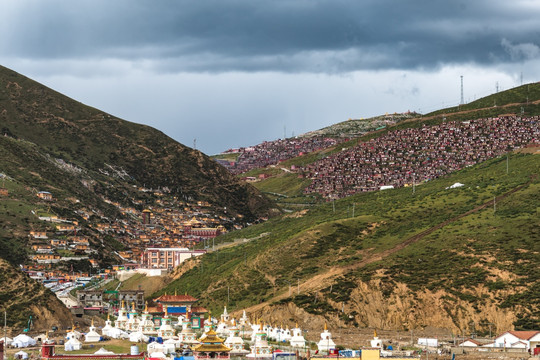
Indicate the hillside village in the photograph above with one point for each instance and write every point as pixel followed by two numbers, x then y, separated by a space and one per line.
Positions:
pixel 169 223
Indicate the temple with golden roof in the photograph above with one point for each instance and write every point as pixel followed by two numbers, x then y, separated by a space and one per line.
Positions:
pixel 212 347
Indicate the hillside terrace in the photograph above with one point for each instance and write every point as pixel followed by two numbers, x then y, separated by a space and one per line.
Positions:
pixel 414 155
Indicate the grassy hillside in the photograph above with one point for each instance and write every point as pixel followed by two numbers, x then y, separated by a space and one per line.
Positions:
pixel 438 242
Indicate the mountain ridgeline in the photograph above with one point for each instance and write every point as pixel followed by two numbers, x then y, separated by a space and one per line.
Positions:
pixel 99 142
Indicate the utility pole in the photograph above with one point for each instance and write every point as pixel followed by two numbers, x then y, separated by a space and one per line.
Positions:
pixel 461 102
pixel 494 204
pixel 334 205
pixel 353 205
pixel 506 163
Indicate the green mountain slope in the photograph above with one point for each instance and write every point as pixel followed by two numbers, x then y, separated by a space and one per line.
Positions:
pixel 96 141
pixel 392 259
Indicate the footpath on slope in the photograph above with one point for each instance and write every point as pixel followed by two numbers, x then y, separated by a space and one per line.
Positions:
pixel 320 281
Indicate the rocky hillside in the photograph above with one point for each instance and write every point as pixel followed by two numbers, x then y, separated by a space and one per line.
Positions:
pixel 22 298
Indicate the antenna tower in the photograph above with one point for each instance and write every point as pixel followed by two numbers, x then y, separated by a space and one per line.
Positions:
pixel 195 144
pixel 461 76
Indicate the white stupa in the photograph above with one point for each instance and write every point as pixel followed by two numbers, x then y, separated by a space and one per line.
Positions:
pixel 297 339
pixel 268 329
pixel 254 330
pixel 92 335
pixel 107 327
pixel 225 316
pixel 208 325
pixel 122 319
pixel 235 342
pixel 146 324
pixel 244 320
pixel 260 349
pixel 286 335
pixel 166 331
pixel 326 343
pixel 274 333
pixel 222 329
pixel 73 334
pixel 133 321
pixel 279 334
pixel 376 342
pixel 187 336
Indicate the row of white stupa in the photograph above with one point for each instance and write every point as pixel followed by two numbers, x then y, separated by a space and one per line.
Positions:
pixel 124 329
pixel 294 336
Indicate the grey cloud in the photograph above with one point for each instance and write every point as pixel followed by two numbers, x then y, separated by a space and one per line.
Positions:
pixel 329 36
pixel 524 51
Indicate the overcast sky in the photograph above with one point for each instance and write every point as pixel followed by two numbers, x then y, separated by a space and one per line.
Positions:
pixel 232 73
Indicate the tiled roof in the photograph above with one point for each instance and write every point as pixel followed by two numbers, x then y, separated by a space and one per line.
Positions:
pixel 524 335
pixel 175 298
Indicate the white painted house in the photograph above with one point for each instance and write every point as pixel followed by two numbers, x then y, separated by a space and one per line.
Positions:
pixel 470 343
pixel 516 340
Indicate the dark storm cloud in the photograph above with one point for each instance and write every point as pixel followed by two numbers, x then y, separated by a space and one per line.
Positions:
pixel 290 36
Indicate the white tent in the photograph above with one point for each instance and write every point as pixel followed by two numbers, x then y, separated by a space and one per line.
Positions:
pixel 20 355
pixel 7 340
pixel 40 337
pixel 117 333
pixel 92 336
pixel 23 340
pixel 172 342
pixel 169 346
pixel 72 344
pixel 456 185
pixel 138 337
pixel 158 355
pixel 103 351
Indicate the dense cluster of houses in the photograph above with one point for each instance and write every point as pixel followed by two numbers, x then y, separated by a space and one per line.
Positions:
pixel 408 156
pixel 169 223
pixel 272 152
